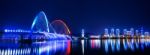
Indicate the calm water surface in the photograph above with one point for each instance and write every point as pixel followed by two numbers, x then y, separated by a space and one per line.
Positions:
pixel 78 47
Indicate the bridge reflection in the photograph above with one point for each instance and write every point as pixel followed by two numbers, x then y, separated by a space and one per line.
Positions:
pixel 38 48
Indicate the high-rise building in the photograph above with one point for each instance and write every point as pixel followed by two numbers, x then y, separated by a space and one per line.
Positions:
pixel 124 32
pixel 137 32
pixel 129 33
pixel 146 34
pixel 132 32
pixel 112 33
pixel 117 33
pixel 82 33
pixel 142 32
pixel 106 34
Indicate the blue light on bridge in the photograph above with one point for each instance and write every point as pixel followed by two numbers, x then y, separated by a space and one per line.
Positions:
pixel 16 31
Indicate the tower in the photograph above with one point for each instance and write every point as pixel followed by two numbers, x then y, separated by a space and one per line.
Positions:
pixel 132 32
pixel 112 34
pixel 124 32
pixel 146 34
pixel 142 32
pixel 117 33
pixel 82 33
pixel 106 32
pixel 137 32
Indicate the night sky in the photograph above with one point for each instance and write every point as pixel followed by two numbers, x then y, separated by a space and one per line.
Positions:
pixel 92 15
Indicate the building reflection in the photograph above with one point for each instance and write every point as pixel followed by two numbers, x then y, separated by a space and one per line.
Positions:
pixel 117 45
pixel 82 44
pixel 95 43
pixel 38 48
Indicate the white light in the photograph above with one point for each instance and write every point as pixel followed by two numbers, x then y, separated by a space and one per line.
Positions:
pixel 6 30
pixel 2 52
pixel 11 51
pixel 16 52
pixel 82 33
pixel 21 30
pixel 21 51
pixel 13 30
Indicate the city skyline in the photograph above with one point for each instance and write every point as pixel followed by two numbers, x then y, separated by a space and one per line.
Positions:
pixel 92 16
pixel 74 27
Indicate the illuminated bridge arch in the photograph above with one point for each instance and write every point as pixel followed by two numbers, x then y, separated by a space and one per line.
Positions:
pixel 60 27
pixel 41 24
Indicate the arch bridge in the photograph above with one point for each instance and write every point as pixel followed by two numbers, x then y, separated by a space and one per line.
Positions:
pixel 54 29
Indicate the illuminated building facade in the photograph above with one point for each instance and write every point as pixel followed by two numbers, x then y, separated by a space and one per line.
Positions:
pixel 117 32
pixel 106 33
pixel 82 33
pixel 124 32
pixel 132 32
pixel 142 32
pixel 112 34
pixel 146 34
pixel 137 32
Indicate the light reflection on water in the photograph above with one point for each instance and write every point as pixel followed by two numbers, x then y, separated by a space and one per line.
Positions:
pixel 38 48
pixel 82 43
pixel 115 45
pixel 75 47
